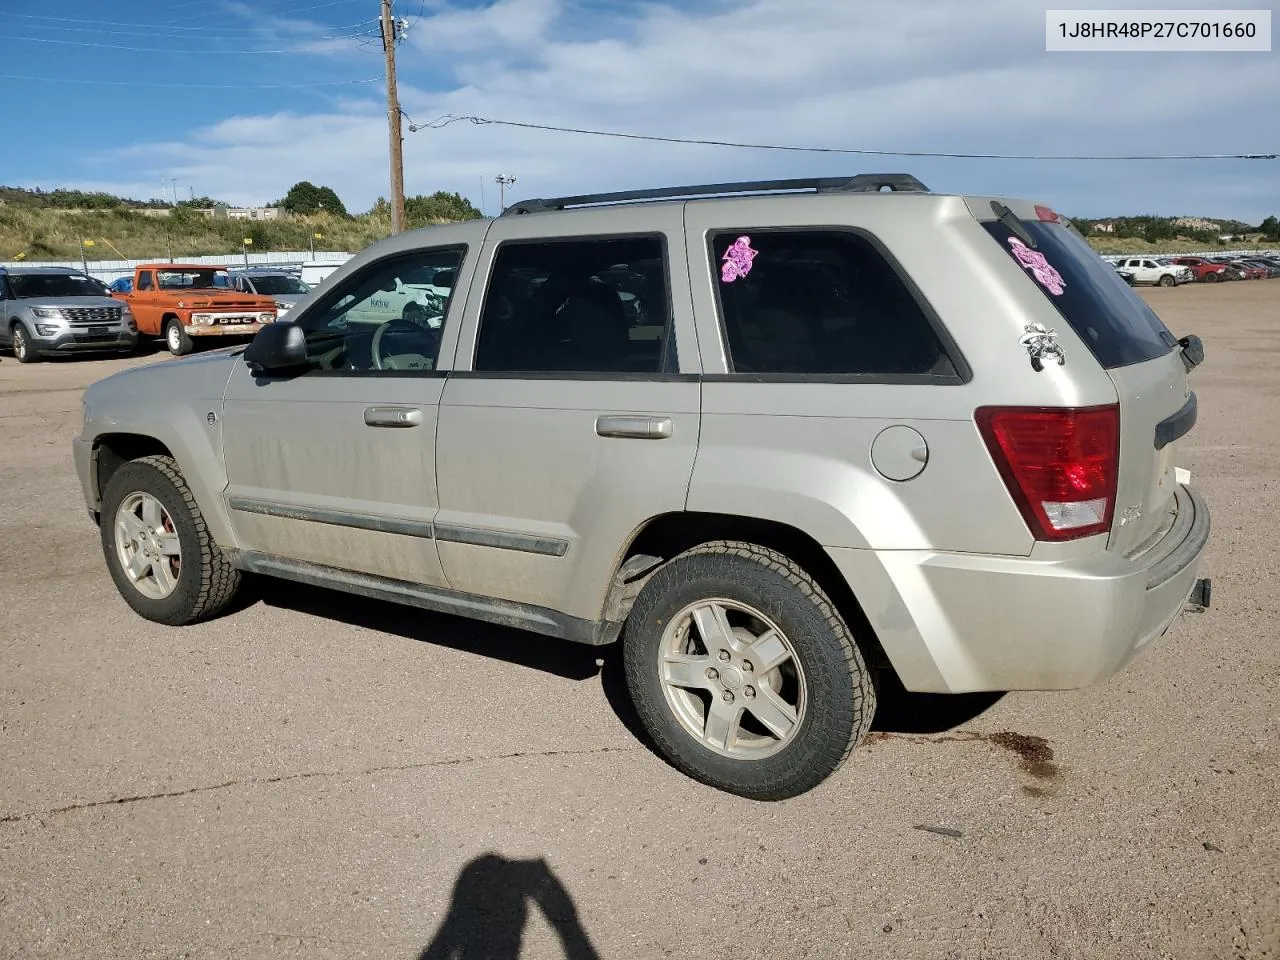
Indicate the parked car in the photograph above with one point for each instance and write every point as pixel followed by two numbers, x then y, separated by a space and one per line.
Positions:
pixel 313 273
pixel 57 310
pixel 182 302
pixel 121 285
pixel 1270 268
pixel 1204 271
pixel 949 456
pixel 1251 271
pixel 284 286
pixel 1152 270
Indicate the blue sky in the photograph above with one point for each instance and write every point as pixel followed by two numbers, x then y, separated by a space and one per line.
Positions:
pixel 239 99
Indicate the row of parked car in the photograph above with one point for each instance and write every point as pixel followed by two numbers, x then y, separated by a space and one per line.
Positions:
pixel 1173 271
pixel 45 311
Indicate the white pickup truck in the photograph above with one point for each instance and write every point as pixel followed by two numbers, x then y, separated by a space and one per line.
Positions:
pixel 1155 270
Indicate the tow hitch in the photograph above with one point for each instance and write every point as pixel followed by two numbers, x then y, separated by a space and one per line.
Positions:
pixel 1201 594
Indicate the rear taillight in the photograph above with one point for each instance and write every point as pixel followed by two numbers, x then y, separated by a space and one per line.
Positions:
pixel 1060 465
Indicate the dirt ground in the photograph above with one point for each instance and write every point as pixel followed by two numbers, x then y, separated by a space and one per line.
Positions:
pixel 318 776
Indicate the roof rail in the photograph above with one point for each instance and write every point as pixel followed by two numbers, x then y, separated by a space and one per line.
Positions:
pixel 862 183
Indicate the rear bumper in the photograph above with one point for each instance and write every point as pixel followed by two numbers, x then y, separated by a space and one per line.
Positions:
pixel 958 623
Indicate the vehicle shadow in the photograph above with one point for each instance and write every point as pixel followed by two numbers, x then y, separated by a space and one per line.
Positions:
pixel 573 661
pixel 900 711
pixel 490 907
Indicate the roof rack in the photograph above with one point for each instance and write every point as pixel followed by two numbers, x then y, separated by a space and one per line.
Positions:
pixel 862 183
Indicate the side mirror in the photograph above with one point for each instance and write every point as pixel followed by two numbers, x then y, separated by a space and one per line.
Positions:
pixel 277 346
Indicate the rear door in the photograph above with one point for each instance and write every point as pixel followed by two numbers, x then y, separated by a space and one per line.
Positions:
pixel 1144 362
pixel 571 418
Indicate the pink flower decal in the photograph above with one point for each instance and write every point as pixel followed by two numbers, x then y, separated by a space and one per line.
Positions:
pixel 737 260
pixel 1040 268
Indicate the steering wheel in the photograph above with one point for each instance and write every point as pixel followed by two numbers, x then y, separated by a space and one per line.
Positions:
pixel 399 324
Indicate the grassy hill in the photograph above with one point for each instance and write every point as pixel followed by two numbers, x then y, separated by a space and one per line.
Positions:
pixel 49 225
pixel 39 225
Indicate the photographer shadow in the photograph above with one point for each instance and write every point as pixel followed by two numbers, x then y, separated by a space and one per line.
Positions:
pixel 490 908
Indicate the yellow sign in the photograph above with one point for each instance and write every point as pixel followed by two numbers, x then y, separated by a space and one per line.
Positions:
pixel 248 241
pixel 87 243
pixel 319 236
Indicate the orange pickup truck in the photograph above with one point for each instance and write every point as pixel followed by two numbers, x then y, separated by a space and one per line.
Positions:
pixel 183 301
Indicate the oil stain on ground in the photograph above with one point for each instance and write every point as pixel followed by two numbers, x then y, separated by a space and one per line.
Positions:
pixel 1034 754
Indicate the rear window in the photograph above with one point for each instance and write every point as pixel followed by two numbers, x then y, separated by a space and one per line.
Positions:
pixel 1104 311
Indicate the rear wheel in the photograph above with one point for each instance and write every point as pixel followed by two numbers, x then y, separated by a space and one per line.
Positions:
pixel 158 548
pixel 23 349
pixel 176 338
pixel 743 672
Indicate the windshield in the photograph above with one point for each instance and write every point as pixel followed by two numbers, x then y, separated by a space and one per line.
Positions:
pixel 1116 324
pixel 190 279
pixel 280 284
pixel 29 286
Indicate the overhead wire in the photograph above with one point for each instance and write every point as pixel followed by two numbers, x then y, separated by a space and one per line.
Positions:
pixel 183 86
pixel 306 47
pixel 152 28
pixel 447 119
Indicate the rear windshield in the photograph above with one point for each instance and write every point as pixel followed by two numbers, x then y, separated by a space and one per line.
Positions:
pixel 1102 309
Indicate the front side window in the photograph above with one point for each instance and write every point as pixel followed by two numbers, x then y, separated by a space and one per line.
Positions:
pixel 577 306
pixel 390 316
pixel 144 280
pixel 820 302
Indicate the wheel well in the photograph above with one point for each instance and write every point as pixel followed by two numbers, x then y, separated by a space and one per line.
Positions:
pixel 673 533
pixel 114 450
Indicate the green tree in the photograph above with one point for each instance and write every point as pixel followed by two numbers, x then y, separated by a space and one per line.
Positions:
pixel 1270 228
pixel 305 198
pixel 441 205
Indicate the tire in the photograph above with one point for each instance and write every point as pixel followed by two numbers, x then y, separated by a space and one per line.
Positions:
pixel 204 582
pixel 825 676
pixel 1212 277
pixel 1166 280
pixel 176 339
pixel 23 349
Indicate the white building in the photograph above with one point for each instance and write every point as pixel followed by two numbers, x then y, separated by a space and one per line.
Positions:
pixel 254 213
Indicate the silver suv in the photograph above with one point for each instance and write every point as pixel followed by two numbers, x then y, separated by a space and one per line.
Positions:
pixel 56 310
pixel 778 438
pixel 285 285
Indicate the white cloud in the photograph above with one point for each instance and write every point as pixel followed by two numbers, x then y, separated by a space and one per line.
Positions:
pixel 882 74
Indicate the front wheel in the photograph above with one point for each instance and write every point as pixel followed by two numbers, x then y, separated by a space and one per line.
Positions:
pixel 22 347
pixel 176 338
pixel 1167 280
pixel 158 549
pixel 743 672
pixel 1211 278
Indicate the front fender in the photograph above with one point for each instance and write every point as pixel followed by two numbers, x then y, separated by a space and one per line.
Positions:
pixel 178 404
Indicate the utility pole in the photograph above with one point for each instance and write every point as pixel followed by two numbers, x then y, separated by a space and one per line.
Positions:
pixel 503 183
pixel 173 182
pixel 389 37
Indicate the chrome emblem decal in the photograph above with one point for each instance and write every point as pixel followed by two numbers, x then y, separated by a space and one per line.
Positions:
pixel 1041 342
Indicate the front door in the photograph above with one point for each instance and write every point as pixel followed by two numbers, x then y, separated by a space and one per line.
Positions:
pixel 335 465
pixel 571 417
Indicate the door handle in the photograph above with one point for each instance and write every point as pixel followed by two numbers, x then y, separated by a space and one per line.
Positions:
pixel 635 428
pixel 392 416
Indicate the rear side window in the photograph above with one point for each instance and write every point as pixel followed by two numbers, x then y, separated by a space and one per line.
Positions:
pixel 577 306
pixel 820 302
pixel 1118 327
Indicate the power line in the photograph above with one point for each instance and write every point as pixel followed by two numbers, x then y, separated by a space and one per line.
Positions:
pixel 152 28
pixel 115 46
pixel 262 33
pixel 274 13
pixel 448 119
pixel 184 86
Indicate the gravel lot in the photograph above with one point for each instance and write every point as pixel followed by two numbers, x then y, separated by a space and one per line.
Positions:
pixel 318 776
